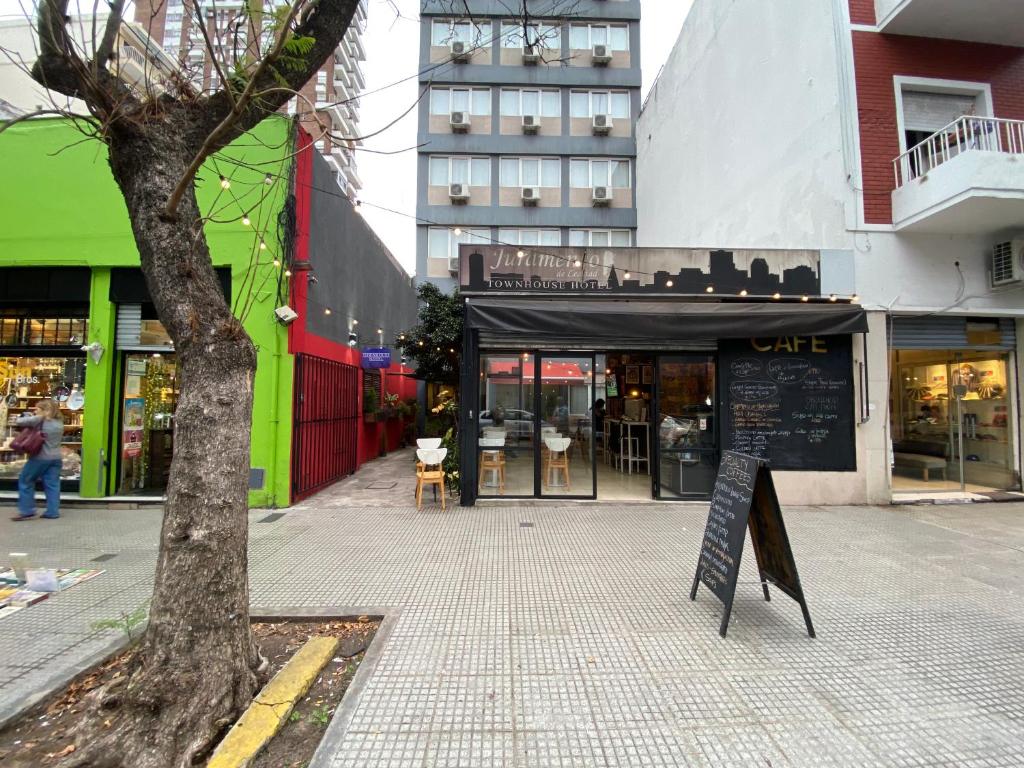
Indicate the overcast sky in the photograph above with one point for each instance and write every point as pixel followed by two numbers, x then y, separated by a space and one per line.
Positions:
pixel 392 54
pixel 392 42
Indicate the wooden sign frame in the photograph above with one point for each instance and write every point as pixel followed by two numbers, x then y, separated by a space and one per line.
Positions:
pixel 763 519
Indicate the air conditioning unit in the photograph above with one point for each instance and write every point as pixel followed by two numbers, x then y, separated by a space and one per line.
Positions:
pixel 600 55
pixel 530 55
pixel 601 125
pixel 601 196
pixel 459 51
pixel 459 122
pixel 453 264
pixel 1008 262
pixel 530 195
pixel 458 193
pixel 530 124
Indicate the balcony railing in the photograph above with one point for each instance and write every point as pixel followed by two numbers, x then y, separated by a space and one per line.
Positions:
pixel 988 134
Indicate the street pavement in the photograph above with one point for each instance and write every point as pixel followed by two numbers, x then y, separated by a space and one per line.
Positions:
pixel 562 634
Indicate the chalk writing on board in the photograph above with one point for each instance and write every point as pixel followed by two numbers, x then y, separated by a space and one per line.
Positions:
pixel 787 370
pixel 746 367
pixel 794 410
pixel 753 391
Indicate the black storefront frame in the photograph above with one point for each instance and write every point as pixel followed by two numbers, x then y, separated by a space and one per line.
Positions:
pixel 661 326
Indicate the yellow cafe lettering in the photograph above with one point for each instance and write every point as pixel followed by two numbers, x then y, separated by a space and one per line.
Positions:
pixel 814 344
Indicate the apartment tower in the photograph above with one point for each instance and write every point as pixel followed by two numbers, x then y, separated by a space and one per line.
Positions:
pixel 526 134
pixel 328 104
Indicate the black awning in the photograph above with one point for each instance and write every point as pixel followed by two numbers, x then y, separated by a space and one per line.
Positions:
pixel 619 320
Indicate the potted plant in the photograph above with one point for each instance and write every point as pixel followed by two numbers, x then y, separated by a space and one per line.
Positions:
pixel 371 406
pixel 391 406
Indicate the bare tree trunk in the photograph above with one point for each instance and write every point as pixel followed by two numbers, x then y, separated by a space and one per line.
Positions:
pixel 198 663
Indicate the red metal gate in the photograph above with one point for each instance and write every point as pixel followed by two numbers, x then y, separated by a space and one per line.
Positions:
pixel 325 424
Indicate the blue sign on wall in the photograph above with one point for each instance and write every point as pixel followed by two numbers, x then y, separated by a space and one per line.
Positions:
pixel 377 357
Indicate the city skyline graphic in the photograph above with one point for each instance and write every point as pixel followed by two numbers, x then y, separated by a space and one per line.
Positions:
pixel 497 269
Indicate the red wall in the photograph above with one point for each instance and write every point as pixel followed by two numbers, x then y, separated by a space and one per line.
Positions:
pixel 878 58
pixel 862 11
pixel 303 341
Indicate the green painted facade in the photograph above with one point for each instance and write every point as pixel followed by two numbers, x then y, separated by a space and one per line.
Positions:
pixel 62 208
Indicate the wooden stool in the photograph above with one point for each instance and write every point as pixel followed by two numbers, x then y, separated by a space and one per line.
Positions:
pixel 493 461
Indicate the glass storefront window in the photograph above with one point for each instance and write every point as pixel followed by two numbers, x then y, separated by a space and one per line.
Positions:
pixel 42 331
pixel 505 437
pixel 149 399
pixel 951 421
pixel 566 427
pixel 24 382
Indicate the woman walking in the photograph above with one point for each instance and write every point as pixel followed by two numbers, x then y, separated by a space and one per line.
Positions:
pixel 45 465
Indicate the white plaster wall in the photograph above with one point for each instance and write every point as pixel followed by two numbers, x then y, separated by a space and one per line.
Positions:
pixel 739 143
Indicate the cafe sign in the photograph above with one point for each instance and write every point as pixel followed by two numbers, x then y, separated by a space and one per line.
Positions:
pixel 490 269
pixel 376 357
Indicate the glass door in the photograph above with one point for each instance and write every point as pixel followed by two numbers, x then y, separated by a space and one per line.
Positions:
pixel 565 431
pixel 505 431
pixel 687 429
pixel 149 396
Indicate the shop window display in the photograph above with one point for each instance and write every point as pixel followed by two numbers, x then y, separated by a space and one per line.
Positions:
pixel 24 381
pixel 951 421
pixel 149 398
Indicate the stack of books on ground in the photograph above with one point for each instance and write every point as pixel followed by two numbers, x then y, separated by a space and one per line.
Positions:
pixel 14 596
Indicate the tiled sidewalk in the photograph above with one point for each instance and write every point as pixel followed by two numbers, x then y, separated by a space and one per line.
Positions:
pixel 563 635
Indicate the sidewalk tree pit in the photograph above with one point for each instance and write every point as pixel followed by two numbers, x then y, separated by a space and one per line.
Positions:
pixel 47 732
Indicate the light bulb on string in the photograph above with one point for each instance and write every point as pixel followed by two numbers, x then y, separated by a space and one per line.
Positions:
pixel 626 275
pixel 832 297
pixel 277 262
pixel 457 231
pixel 743 292
pixel 669 283
pixel 268 179
pixel 327 310
pixel 245 219
pixel 776 295
pixel 263 245
pixel 520 254
pixel 287 273
pixel 577 264
pixel 224 183
pixel 804 298
pixel 710 289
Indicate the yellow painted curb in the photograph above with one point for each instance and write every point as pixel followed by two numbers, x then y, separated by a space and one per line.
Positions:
pixel 272 706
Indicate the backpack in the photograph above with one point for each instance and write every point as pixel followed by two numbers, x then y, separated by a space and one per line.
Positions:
pixel 30 440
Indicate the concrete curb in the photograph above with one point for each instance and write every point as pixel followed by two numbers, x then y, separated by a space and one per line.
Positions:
pixel 339 724
pixel 62 679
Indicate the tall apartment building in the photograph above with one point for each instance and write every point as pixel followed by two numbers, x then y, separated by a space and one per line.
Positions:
pixel 527 133
pixel 889 136
pixel 328 104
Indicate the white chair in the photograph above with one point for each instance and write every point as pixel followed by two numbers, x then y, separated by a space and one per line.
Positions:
pixel 429 472
pixel 557 459
pixel 429 442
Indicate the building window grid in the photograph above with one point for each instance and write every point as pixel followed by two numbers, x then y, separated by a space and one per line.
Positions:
pixel 543 172
pixel 600 238
pixel 586 36
pixel 443 32
pixel 586 173
pixel 443 243
pixel 538 35
pixel 545 237
pixel 516 102
pixel 476 101
pixel 474 171
pixel 590 103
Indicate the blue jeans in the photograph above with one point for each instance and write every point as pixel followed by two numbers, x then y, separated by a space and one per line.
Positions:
pixel 47 470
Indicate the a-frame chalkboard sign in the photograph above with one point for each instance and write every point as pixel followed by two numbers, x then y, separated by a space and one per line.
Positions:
pixel 744 496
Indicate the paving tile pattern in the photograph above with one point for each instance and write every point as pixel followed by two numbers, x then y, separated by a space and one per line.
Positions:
pixel 573 642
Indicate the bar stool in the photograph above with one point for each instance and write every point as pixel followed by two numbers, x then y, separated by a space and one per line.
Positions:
pixel 429 442
pixel 429 472
pixel 492 461
pixel 557 460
